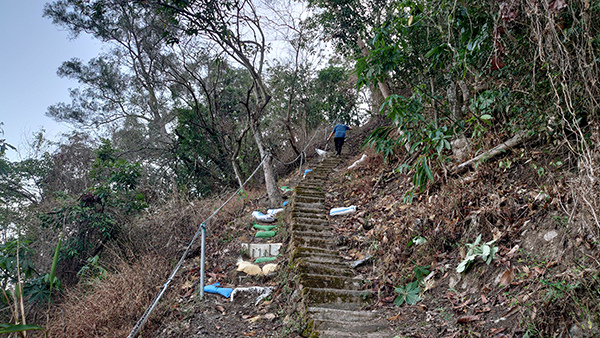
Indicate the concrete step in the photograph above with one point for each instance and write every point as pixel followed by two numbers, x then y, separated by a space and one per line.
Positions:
pixel 310 191
pixel 335 298
pixel 308 214
pixel 346 334
pixel 302 252
pixel 306 267
pixel 349 326
pixel 338 314
pixel 311 242
pixel 299 219
pixel 309 227
pixel 333 260
pixel 330 282
pixel 320 213
pixel 324 233
pixel 309 206
pixel 308 199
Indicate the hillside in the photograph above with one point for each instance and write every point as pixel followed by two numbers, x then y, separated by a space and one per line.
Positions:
pixel 542 281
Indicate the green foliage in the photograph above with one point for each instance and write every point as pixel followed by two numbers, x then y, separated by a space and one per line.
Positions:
pixel 10 328
pixel 411 127
pixel 408 294
pixel 39 290
pixel 476 249
pixel 97 215
pixel 8 261
pixel 92 270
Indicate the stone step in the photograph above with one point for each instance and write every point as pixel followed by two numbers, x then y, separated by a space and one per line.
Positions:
pixel 308 199
pixel 330 282
pixel 307 214
pixel 335 298
pixel 309 211
pixel 338 314
pixel 309 227
pixel 324 233
pixel 311 242
pixel 309 191
pixel 332 260
pixel 310 206
pixel 349 326
pixel 305 267
pixel 302 252
pixel 346 334
pixel 299 219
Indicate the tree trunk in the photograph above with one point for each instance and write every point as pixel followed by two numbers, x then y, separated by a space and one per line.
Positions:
pixel 271 184
pixel 383 87
pixel 499 149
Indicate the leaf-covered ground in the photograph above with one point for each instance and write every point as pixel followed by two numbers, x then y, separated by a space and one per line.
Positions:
pixel 543 280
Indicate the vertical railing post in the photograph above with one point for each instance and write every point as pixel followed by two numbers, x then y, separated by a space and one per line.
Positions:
pixel 202 247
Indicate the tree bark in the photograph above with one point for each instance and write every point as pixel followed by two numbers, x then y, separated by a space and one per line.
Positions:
pixel 275 199
pixel 514 141
pixel 383 87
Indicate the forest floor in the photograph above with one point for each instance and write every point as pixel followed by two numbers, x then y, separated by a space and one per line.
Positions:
pixel 542 282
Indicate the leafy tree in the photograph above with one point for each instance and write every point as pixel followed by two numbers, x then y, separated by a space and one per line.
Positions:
pixel 96 216
pixel 237 29
pixel 126 84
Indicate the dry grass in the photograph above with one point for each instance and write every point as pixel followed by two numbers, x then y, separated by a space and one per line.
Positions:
pixel 109 307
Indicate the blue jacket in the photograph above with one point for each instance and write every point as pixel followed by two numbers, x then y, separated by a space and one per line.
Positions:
pixel 340 130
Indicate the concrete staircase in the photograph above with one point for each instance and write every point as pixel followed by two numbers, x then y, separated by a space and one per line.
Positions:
pixel 331 299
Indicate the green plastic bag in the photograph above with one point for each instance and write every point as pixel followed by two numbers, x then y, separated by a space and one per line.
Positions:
pixel 265 234
pixel 264 259
pixel 264 227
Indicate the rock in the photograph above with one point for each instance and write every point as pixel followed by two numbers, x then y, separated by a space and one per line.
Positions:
pixel 550 235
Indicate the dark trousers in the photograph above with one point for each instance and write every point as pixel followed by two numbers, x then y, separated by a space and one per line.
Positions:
pixel 339 142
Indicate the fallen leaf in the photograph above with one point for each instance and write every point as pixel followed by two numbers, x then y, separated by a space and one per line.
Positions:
pixel 498 330
pixel 396 317
pixel 507 276
pixel 512 311
pixel 526 269
pixel 486 309
pixel 188 284
pixel 388 299
pixel 484 299
pixel 249 334
pixel 269 316
pixel 254 319
pixel 462 305
pixel 467 319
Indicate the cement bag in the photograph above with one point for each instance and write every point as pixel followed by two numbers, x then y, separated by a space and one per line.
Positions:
pixel 342 211
pixel 259 216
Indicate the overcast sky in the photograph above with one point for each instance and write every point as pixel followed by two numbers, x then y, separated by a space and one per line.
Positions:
pixel 31 51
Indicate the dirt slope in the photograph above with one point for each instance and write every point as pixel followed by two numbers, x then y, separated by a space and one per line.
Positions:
pixel 542 281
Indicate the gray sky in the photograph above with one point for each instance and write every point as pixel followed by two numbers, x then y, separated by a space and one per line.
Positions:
pixel 31 51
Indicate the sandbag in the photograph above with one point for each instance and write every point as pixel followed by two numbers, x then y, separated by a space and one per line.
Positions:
pixel 265 234
pixel 264 227
pixel 259 216
pixel 264 259
pixel 273 212
pixel 342 211
pixel 214 288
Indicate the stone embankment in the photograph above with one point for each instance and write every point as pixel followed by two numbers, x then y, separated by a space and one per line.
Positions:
pixel 331 298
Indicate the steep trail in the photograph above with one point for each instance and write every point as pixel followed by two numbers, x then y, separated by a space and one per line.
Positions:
pixel 331 298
